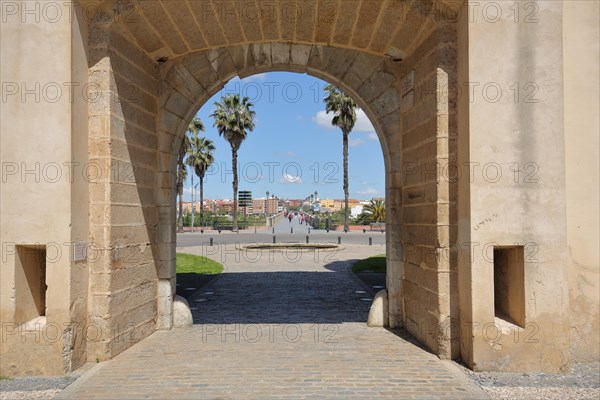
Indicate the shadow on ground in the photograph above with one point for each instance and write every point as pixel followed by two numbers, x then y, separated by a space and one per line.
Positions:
pixel 189 283
pixel 283 297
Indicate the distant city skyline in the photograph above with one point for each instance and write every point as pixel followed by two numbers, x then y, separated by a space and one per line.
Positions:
pixel 293 150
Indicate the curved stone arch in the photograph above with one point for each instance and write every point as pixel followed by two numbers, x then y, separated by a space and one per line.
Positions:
pixel 172 89
pixel 380 105
pixel 392 28
pixel 190 81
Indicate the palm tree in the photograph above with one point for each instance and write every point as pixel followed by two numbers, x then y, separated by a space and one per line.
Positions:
pixel 181 177
pixel 344 117
pixel 194 127
pixel 234 119
pixel 200 156
pixel 376 210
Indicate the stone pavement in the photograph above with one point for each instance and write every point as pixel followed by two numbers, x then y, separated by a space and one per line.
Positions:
pixel 277 325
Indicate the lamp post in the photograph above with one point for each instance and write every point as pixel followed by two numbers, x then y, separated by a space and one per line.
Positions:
pixel 193 205
pixel 267 205
pixel 193 208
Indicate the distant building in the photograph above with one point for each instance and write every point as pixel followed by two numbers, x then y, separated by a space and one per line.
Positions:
pixel 326 205
pixel 295 203
pixel 356 210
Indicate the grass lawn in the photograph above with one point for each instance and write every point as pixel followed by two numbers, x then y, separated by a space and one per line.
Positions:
pixel 190 264
pixel 371 264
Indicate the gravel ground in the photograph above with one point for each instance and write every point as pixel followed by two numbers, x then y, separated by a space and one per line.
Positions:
pixel 582 382
pixel 34 387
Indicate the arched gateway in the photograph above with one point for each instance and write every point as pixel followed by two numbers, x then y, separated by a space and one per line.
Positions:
pixel 465 247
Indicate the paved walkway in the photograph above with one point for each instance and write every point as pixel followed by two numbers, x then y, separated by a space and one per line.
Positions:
pixel 283 233
pixel 277 325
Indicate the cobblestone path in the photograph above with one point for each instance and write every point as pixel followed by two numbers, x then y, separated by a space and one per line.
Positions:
pixel 277 325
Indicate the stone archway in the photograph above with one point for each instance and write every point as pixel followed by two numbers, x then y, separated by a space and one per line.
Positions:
pixel 153 94
pixel 119 58
pixel 143 66
pixel 184 94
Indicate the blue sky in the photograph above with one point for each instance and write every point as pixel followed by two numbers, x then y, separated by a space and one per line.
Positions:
pixel 293 149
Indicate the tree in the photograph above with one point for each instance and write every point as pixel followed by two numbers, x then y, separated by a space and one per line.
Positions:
pixel 234 119
pixel 376 210
pixel 200 156
pixel 344 117
pixel 194 127
pixel 181 177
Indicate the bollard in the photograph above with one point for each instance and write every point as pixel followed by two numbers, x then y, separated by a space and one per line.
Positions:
pixel 309 229
pixel 339 240
pixel 306 239
pixel 273 230
pixel 292 229
pixel 211 242
pixel 274 240
pixel 370 241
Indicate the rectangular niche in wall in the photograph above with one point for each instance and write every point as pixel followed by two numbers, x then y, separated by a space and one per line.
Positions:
pixel 30 282
pixel 509 284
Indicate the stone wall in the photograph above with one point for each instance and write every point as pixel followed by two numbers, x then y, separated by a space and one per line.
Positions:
pixel 149 66
pixel 512 189
pixel 35 192
pixel 123 213
pixel 190 80
pixel 428 195
pixel 582 124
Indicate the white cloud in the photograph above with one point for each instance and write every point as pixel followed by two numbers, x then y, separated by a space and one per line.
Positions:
pixel 323 120
pixel 373 136
pixel 355 142
pixel 369 191
pixel 362 124
pixel 288 154
pixel 287 178
pixel 257 77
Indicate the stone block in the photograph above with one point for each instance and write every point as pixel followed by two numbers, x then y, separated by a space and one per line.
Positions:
pixel 166 268
pixel 343 26
pixel 206 15
pixel 186 25
pixel 280 54
pixel 182 316
pixel 338 66
pixel 227 12
pixel 326 17
pixel 305 25
pixel 299 55
pixel 222 63
pixel 242 58
pixel 363 66
pixel 261 53
pixel 178 104
pixel 363 29
pixel 378 314
pixel 387 103
pixel 270 21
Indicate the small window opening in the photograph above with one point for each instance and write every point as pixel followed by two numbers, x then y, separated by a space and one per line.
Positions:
pixel 509 284
pixel 30 283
